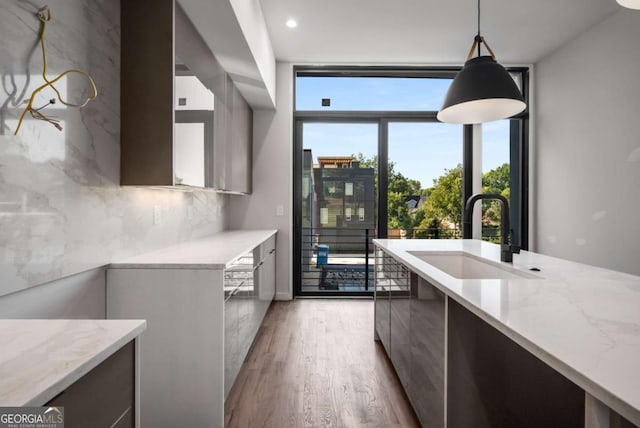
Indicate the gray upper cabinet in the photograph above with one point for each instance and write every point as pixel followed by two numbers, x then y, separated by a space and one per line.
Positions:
pixel 233 142
pixel 183 121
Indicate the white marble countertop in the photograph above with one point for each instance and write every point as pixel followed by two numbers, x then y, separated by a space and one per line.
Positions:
pixel 213 252
pixel 582 320
pixel 41 358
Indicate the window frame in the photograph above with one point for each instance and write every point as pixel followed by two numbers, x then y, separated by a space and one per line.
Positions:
pixel 519 148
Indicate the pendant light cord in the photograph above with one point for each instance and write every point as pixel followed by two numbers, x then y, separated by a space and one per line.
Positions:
pixel 478 35
pixel 479 40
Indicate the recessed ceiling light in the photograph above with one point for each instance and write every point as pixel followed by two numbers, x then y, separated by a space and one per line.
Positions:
pixel 291 23
pixel 631 4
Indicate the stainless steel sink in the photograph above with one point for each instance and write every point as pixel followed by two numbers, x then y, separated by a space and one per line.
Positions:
pixel 465 266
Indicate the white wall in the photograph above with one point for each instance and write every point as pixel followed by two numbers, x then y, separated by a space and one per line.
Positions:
pixel 588 147
pixel 272 178
pixel 62 210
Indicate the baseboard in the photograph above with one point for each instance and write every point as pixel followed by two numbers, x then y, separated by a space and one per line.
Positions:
pixel 283 295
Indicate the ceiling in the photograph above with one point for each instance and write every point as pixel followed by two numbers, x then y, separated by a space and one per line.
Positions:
pixel 425 31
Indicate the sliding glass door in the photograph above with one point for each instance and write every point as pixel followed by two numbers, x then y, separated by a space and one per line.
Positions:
pixel 338 206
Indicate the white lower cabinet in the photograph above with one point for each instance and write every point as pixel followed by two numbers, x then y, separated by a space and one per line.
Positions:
pixel 201 325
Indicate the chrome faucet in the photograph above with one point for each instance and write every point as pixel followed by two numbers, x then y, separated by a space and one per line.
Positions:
pixel 506 250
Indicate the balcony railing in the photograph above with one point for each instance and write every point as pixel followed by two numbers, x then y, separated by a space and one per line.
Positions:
pixel 491 234
pixel 337 259
pixel 342 259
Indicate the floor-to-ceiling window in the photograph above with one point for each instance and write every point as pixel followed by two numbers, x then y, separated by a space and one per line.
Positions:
pixel 371 160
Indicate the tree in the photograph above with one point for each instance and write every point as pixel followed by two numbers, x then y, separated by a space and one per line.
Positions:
pixel 496 181
pixel 445 197
pixel 399 187
pixel 444 203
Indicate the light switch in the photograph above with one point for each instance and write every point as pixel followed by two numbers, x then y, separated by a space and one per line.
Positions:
pixel 279 210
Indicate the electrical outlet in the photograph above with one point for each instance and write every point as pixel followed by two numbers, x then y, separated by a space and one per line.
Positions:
pixel 189 212
pixel 280 210
pixel 157 214
pixel 219 211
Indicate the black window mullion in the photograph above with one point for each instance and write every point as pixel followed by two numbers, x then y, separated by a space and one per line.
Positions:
pixel 383 177
pixel 467 175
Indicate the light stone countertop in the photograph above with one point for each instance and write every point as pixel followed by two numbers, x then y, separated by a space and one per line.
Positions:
pixel 213 252
pixel 41 358
pixel 581 320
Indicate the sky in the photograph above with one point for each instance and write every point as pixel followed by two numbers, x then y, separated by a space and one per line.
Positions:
pixel 420 151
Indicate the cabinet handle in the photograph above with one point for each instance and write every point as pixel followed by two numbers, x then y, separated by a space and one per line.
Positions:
pixel 272 251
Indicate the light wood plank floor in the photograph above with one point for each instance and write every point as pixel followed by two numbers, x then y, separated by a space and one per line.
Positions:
pixel 315 364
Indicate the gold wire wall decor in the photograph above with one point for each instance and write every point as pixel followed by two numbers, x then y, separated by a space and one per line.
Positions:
pixel 44 15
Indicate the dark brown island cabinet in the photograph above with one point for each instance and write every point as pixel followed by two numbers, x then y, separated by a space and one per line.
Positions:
pixel 104 397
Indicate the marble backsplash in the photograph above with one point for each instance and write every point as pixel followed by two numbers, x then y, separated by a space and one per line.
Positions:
pixel 62 210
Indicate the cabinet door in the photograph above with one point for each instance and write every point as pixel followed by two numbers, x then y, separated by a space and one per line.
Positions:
pixel 382 291
pixel 240 143
pixel 426 391
pixel 221 130
pixel 249 321
pixel 231 338
pixel 268 273
pixel 153 151
pixel 494 382
pixel 400 324
pixel 104 395
pixel 146 92
pixel 233 131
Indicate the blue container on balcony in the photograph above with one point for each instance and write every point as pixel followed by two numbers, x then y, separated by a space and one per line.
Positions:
pixel 322 256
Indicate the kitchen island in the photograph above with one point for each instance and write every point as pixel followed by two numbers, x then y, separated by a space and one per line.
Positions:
pixel 541 320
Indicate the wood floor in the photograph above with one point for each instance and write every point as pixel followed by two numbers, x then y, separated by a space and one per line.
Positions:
pixel 315 364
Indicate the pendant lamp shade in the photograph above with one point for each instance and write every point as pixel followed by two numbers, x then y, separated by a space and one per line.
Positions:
pixel 631 4
pixel 482 91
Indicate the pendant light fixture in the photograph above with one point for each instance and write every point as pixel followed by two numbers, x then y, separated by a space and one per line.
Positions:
pixel 631 4
pixel 482 91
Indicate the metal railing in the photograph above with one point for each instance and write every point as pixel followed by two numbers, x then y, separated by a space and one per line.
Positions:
pixel 342 259
pixel 491 234
pixel 337 259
